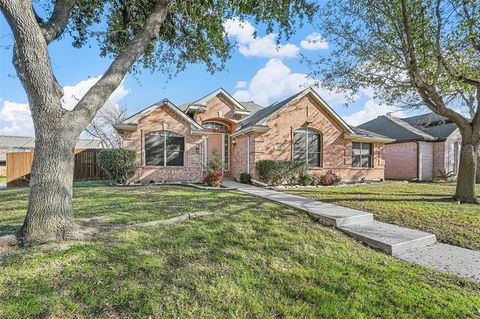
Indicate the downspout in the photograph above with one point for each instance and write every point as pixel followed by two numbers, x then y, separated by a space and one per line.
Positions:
pixel 248 154
pixel 418 160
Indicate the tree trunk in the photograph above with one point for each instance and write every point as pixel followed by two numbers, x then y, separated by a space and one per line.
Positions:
pixel 50 210
pixel 465 191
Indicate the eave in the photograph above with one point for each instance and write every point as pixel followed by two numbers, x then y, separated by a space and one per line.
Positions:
pixel 252 129
pixel 121 127
pixel 363 138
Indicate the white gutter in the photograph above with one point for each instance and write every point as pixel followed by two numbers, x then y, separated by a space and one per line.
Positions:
pixel 362 138
pixel 248 154
pixel 256 128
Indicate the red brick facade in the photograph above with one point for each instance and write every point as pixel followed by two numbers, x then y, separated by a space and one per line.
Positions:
pixel 246 149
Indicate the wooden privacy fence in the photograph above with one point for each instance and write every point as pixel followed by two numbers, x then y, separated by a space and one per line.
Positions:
pixel 19 167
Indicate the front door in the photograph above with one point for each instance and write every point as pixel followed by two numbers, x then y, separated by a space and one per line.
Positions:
pixel 218 149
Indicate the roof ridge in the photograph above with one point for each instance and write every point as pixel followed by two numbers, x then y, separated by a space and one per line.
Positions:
pixel 409 127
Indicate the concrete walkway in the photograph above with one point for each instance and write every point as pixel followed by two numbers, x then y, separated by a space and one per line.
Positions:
pixel 408 244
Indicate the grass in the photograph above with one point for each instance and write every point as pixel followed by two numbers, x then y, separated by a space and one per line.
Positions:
pixel 3 180
pixel 249 259
pixel 422 206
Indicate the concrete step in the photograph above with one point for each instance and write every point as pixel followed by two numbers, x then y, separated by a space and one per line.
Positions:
pixel 391 239
pixel 447 258
pixel 328 214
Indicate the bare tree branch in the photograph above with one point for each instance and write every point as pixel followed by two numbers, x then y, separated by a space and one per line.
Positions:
pixel 96 97
pixel 429 94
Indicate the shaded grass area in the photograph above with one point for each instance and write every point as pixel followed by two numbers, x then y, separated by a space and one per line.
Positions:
pixel 250 259
pixel 424 206
pixel 97 203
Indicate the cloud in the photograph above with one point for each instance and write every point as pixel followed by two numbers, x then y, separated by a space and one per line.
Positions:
pixel 16 119
pixel 73 94
pixel 241 85
pixel 276 81
pixel 371 110
pixel 314 41
pixel 249 45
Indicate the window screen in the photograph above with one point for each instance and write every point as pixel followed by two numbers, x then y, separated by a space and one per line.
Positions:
pixel 307 147
pixel 361 154
pixel 164 148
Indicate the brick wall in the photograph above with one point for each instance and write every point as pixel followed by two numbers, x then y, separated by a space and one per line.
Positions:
pixel 159 119
pixel 336 150
pixel 401 161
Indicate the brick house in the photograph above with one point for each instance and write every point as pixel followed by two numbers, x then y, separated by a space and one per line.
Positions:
pixel 176 142
pixel 426 146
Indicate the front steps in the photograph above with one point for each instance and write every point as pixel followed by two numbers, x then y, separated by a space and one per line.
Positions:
pixel 391 239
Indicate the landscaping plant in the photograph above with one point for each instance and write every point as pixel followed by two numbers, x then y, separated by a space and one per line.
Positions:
pixel 245 178
pixel 330 178
pixel 276 172
pixel 119 164
pixel 213 178
pixel 214 175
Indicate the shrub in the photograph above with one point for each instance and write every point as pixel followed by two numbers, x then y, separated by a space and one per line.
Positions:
pixel 215 164
pixel 276 172
pixel 119 164
pixel 213 178
pixel 330 178
pixel 306 180
pixel 245 178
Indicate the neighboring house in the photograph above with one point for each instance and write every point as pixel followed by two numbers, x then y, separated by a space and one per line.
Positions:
pixel 176 143
pixel 426 146
pixel 13 144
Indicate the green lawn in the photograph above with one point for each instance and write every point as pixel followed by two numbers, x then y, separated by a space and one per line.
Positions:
pixel 422 206
pixel 3 179
pixel 250 258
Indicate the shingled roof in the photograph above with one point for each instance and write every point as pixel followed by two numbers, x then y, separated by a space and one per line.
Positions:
pixel 425 127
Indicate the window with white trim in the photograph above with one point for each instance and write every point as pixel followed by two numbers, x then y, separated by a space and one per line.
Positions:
pixel 307 147
pixel 362 154
pixel 215 126
pixel 164 148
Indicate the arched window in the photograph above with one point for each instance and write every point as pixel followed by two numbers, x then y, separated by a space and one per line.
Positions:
pixel 164 148
pixel 307 147
pixel 215 126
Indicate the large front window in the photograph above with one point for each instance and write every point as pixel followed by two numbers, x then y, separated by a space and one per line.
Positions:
pixel 163 148
pixel 307 147
pixel 361 154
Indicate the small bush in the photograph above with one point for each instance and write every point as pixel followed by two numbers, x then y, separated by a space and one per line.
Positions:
pixel 276 172
pixel 306 180
pixel 119 164
pixel 328 179
pixel 213 178
pixel 215 164
pixel 245 178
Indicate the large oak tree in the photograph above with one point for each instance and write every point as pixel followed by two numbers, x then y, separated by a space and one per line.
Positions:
pixel 413 53
pixel 161 35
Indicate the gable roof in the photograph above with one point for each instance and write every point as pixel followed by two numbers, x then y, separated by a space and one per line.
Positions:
pixel 265 114
pixel 256 121
pixel 426 119
pixel 425 127
pixel 252 106
pixel 133 120
pixel 202 102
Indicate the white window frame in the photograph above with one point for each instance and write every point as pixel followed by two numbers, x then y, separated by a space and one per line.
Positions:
pixel 361 149
pixel 320 148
